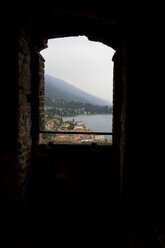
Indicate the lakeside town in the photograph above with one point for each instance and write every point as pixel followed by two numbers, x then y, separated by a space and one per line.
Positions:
pixel 57 109
pixel 57 124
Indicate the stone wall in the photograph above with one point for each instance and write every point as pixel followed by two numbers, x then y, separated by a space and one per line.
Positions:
pixel 24 120
pixel 30 105
pixel 41 93
pixel 16 139
pixel 38 87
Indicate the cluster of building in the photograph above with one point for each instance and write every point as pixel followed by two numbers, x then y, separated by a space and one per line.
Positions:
pixel 70 126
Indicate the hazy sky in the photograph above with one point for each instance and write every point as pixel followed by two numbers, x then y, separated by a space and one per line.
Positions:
pixel 85 64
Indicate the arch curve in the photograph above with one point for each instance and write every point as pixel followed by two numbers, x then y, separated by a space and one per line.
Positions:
pixel 94 25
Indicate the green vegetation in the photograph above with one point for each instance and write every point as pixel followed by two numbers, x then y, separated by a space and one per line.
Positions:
pixel 55 109
pixel 47 137
pixel 60 107
pixel 71 126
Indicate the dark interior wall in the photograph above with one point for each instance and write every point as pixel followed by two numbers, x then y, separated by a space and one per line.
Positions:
pixel 73 189
pixel 139 42
pixel 144 168
pixel 8 134
pixel 16 141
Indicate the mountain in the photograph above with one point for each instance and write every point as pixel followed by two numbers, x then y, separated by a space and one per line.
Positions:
pixel 57 88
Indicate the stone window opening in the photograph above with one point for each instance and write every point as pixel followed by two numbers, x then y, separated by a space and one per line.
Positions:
pixel 60 129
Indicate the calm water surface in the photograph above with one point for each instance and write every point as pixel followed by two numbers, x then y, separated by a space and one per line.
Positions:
pixel 100 123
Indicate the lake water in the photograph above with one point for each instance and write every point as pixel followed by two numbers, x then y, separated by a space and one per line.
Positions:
pixel 100 123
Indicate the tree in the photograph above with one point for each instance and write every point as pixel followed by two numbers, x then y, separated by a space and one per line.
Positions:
pixel 71 126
